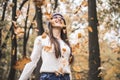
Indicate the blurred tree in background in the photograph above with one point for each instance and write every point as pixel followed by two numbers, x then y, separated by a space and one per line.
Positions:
pixel 22 20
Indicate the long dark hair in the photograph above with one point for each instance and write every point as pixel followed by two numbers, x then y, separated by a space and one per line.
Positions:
pixel 54 41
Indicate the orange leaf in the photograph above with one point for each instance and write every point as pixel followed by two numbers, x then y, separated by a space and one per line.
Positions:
pixel 48 15
pixel 90 29
pixel 44 35
pixel 63 49
pixel 47 48
pixel 21 63
pixel 84 3
pixel 18 13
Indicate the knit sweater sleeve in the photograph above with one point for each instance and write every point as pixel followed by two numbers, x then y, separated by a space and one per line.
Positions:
pixel 29 67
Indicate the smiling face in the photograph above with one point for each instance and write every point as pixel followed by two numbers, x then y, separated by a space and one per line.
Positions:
pixel 57 21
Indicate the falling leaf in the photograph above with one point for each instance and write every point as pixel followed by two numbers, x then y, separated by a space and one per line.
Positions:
pixel 91 18
pixel 34 23
pixel 37 30
pixel 64 49
pixel 21 63
pixel 84 3
pixel 90 29
pixel 44 35
pixel 77 9
pixel 11 4
pixel 101 68
pixel 18 13
pixel 60 70
pixel 47 48
pixel 39 3
pixel 48 15
pixel 19 30
pixel 100 74
pixel 79 35
pixel 63 0
pixel 15 24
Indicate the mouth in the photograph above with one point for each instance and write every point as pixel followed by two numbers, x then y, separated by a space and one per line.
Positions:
pixel 57 21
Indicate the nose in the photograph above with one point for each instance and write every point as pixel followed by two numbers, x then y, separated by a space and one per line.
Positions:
pixel 59 18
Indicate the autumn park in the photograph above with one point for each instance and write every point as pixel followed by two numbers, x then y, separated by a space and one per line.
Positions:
pixel 93 29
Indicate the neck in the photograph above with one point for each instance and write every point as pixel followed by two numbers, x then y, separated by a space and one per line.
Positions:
pixel 57 33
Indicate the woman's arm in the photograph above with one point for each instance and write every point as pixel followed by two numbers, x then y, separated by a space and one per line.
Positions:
pixel 29 67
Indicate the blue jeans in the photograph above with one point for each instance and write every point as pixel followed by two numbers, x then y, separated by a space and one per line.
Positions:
pixel 53 76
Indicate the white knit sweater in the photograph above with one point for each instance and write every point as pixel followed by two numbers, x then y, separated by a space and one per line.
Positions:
pixel 43 48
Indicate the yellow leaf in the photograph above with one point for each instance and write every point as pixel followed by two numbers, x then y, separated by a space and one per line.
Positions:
pixel 79 35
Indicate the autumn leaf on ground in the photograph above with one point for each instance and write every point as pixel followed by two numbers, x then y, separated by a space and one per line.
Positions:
pixel 21 63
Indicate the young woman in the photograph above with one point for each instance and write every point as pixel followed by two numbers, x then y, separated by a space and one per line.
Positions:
pixel 55 51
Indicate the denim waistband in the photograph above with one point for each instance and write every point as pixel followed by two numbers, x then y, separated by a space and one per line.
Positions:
pixel 54 73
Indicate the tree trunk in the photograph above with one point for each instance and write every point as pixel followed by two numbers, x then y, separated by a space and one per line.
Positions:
pixel 14 45
pixel 3 17
pixel 41 30
pixel 3 45
pixel 94 53
pixel 25 32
